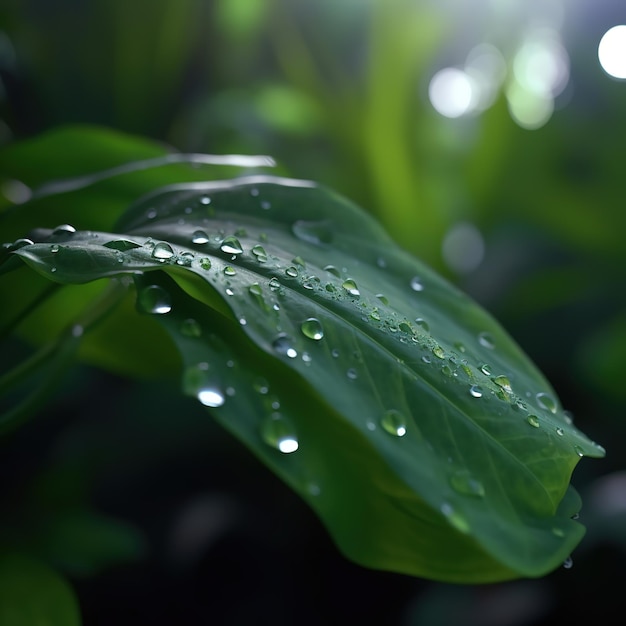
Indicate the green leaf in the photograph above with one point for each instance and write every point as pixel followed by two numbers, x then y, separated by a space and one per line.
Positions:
pixel 32 593
pixel 401 411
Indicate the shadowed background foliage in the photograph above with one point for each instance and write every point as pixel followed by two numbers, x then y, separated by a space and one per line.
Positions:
pixel 510 184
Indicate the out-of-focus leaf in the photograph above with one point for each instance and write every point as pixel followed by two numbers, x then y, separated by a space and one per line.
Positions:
pixel 401 411
pixel 32 593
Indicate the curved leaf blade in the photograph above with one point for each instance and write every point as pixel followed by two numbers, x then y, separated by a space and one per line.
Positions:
pixel 437 427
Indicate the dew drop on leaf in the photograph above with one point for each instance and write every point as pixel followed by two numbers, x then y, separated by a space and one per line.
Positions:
pixel 486 340
pixel 259 253
pixel 331 269
pixel 439 352
pixel 394 423
pixel 63 230
pixel 190 328
pixel 231 245
pixel 205 263
pixel 278 432
pixel 504 383
pixel 274 284
pixel 283 345
pixel 230 271
pixel 185 258
pixel 312 328
pixel 350 286
pixel 199 237
pixel 533 420
pixel 292 272
pixel 205 200
pixel 547 402
pixel 476 391
pixel 464 483
pixel 162 251
pixel 416 284
pixel 383 299
pixel 422 323
pixel 54 248
pixel 198 382
pixel 154 300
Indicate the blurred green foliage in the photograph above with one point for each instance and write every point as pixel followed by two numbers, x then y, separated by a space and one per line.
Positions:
pixel 338 92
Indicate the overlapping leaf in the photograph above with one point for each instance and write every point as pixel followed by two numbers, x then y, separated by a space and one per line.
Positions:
pixel 402 412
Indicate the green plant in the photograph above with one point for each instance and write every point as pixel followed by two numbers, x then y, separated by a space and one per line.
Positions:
pixel 402 412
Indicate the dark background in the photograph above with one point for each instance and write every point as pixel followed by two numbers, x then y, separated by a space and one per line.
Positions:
pixel 177 522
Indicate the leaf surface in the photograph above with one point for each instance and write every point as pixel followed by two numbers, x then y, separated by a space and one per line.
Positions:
pixel 415 427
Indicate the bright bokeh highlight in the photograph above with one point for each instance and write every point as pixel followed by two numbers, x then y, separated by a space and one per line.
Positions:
pixel 612 52
pixel 451 92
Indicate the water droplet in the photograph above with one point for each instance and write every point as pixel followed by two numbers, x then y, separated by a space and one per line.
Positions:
pixel 255 289
pixel 533 420
pixel 352 374
pixel 558 532
pixel 259 253
pixel 568 563
pixel 485 369
pixel 205 263
pixel 230 292
pixel 185 258
pixel 394 423
pixel 486 340
pixel 579 451
pixel 199 382
pixel 190 328
pixel 383 299
pixel 439 352
pixel 426 358
pixel 335 353
pixel 422 323
pixel 559 431
pixel 504 383
pixel 547 402
pixel 455 518
pixel 199 237
pixel 464 483
pixel 274 284
pixel 63 230
pixel 312 328
pixel 568 417
pixel 230 271
pixel 231 245
pixel 283 345
pixel 205 200
pixel 416 284
pixel 20 243
pixel 292 272
pixel 317 233
pixel 375 315
pixel 254 192
pixel 278 432
pixel 265 205
pixel 476 391
pixel 162 251
pixel 154 299
pixel 298 260
pixel 331 269
pixel 459 346
pixel 54 248
pixel 350 286
pixel 446 370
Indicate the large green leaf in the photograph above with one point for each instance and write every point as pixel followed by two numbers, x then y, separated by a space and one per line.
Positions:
pixel 415 427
